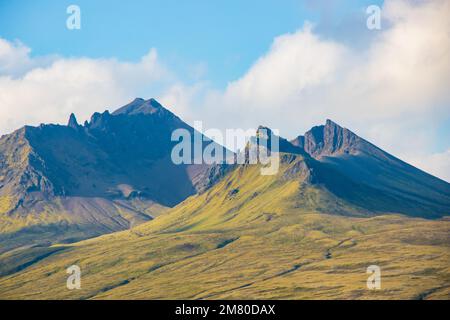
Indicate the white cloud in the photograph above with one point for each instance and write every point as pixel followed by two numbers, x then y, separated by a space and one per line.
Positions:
pixel 287 70
pixel 50 93
pixel 14 57
pixel 405 73
pixel 180 99
pixel 437 164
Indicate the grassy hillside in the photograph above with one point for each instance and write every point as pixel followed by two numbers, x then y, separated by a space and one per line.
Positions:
pixel 70 219
pixel 250 236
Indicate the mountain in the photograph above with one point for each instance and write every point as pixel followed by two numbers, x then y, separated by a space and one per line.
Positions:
pixel 358 171
pixel 282 236
pixel 367 179
pixel 65 183
pixel 336 205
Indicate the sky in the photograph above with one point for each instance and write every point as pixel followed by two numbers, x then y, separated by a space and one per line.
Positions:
pixel 285 64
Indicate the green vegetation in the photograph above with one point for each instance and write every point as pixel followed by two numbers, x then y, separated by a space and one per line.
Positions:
pixel 71 219
pixel 250 236
pixel 6 204
pixel 337 205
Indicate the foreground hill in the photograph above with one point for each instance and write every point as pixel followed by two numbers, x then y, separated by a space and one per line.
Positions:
pixel 249 236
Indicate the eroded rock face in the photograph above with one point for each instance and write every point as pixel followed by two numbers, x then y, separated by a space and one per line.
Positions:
pixel 130 146
pixel 329 139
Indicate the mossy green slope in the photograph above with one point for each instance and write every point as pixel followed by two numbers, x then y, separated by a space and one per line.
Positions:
pixel 250 236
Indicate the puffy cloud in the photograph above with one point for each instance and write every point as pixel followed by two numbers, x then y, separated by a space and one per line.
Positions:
pixel 404 73
pixel 50 92
pixel 437 164
pixel 180 99
pixel 14 58
pixel 295 62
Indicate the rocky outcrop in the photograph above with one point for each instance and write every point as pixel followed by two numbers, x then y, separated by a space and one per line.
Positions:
pixel 331 139
pixel 73 123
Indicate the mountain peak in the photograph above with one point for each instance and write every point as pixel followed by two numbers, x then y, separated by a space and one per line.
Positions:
pixel 73 123
pixel 331 123
pixel 140 106
pixel 328 139
pixel 264 136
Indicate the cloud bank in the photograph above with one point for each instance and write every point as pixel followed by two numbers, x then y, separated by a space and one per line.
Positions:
pixel 48 89
pixel 394 92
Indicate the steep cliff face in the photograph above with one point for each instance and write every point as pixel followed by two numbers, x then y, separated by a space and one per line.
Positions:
pixel 20 173
pixel 331 139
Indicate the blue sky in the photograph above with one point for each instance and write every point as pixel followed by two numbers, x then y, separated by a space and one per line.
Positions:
pixel 223 38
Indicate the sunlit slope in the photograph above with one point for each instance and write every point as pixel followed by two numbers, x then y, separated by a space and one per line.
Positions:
pixel 71 219
pixel 250 236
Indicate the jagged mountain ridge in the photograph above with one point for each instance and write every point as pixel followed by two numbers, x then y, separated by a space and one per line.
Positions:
pixel 109 174
pixel 404 188
pixel 332 205
pixel 115 171
pixel 110 156
pixel 331 139
pixel 363 175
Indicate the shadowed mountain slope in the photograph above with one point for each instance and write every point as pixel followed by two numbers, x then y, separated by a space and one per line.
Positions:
pixel 361 174
pixel 72 182
pixel 398 186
